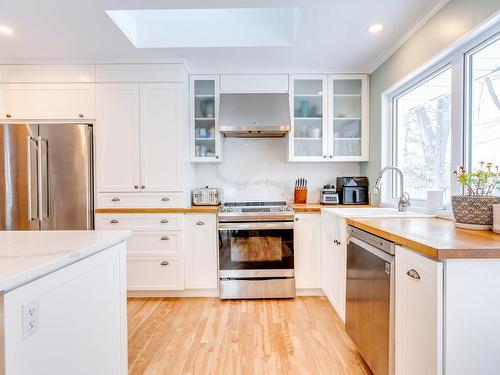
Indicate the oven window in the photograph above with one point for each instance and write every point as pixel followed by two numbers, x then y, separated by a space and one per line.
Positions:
pixel 256 249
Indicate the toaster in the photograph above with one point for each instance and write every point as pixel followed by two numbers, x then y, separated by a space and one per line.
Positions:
pixel 329 195
pixel 207 196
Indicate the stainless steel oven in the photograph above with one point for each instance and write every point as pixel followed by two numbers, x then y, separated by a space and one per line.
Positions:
pixel 256 253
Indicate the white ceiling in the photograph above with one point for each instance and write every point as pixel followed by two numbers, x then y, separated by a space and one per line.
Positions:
pixel 333 36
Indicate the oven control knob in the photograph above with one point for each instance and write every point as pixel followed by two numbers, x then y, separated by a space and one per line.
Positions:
pixel 282 208
pixel 222 209
pixel 229 209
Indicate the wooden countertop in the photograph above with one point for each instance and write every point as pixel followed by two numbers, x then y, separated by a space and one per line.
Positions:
pixel 316 207
pixel 192 209
pixel 437 238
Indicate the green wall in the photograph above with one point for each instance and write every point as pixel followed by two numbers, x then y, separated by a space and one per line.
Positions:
pixel 453 21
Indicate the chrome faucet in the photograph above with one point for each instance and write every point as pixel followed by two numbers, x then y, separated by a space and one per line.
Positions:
pixel 404 199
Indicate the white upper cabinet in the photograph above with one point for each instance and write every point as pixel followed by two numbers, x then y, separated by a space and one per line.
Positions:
pixel 348 118
pixel 253 83
pixel 140 73
pixel 161 136
pixel 329 118
pixel 47 101
pixel 139 137
pixel 307 242
pixel 309 132
pixel 117 137
pixel 206 141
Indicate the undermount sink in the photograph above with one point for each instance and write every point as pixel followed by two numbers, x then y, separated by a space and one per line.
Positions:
pixel 374 212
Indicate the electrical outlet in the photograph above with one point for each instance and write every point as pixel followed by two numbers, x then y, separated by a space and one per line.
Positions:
pixel 31 315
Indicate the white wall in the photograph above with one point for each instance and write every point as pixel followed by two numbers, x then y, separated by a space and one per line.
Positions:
pixel 258 169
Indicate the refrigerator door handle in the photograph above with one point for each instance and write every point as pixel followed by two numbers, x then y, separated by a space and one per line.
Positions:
pixel 43 158
pixel 30 140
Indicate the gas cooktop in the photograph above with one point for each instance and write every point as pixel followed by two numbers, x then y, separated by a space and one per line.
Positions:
pixel 256 211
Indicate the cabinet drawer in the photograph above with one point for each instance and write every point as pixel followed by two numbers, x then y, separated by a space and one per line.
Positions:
pixel 140 221
pixel 169 243
pixel 139 200
pixel 155 273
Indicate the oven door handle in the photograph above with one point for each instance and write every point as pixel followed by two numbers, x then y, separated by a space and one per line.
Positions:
pixel 257 226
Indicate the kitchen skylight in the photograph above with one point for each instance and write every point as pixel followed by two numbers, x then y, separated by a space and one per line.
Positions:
pixel 188 28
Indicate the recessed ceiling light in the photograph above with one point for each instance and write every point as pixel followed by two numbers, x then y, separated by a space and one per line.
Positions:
pixel 375 28
pixel 6 30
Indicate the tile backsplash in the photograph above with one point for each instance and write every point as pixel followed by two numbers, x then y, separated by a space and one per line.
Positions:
pixel 257 169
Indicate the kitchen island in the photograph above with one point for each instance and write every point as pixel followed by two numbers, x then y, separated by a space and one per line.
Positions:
pixel 63 302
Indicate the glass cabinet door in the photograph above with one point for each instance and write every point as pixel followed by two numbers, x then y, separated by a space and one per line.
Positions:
pixel 308 101
pixel 347 117
pixel 204 118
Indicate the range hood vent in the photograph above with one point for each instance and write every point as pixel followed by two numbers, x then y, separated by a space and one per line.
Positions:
pixel 264 115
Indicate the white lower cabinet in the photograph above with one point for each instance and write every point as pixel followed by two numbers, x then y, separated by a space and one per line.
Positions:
pixel 307 242
pixel 334 260
pixel 418 314
pixel 201 251
pixel 155 249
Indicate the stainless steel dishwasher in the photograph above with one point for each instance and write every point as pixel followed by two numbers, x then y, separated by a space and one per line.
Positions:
pixel 370 299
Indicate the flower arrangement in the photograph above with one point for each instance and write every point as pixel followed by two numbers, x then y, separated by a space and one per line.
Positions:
pixel 481 182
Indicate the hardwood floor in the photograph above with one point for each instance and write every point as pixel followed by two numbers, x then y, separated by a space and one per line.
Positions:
pixel 209 336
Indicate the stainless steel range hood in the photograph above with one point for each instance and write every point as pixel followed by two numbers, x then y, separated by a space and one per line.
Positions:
pixel 264 115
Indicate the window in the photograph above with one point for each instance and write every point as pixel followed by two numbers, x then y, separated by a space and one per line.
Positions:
pixel 422 135
pixel 445 116
pixel 484 104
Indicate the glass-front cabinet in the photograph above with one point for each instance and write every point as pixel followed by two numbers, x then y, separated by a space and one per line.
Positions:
pixel 204 115
pixel 348 117
pixel 308 114
pixel 329 118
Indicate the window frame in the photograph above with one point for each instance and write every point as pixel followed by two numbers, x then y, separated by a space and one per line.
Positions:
pixel 457 56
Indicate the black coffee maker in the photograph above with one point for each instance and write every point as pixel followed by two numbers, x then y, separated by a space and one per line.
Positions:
pixel 352 190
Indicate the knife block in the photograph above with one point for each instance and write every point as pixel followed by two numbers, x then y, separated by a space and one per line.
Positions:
pixel 300 196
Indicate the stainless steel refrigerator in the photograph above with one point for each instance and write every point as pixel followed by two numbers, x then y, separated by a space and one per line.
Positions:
pixel 46 177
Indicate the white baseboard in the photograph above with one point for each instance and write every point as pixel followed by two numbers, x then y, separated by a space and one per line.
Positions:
pixel 174 293
pixel 204 293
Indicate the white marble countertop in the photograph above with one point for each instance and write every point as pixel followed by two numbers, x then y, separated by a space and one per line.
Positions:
pixel 28 255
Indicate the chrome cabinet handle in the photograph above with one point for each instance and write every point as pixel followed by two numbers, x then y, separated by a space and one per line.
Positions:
pixel 143 186
pixel 80 115
pixel 413 274
pixel 217 156
pixel 296 219
pixel 165 238
pixel 165 263
pixel 324 156
pixel 164 221
pixel 114 221
pixel 136 186
pixel 331 156
pixel 165 199
pixel 115 199
pixel 200 223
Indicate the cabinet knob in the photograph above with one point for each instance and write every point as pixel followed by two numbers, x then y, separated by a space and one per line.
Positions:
pixel 165 238
pixel 165 263
pixel 8 115
pixel 114 221
pixel 331 156
pixel 217 156
pixel 296 219
pixel 136 186
pixel 200 223
pixel 324 156
pixel 165 199
pixel 115 199
pixel 80 115
pixel 164 221
pixel 413 274
pixel 143 186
